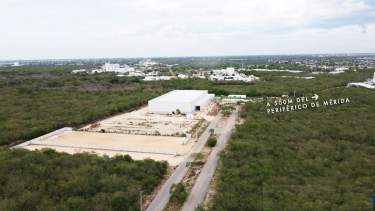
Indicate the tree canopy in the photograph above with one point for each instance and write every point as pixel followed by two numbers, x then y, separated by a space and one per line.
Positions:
pixel 47 180
pixel 316 159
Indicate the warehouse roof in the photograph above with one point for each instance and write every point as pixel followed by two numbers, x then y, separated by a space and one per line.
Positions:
pixel 181 96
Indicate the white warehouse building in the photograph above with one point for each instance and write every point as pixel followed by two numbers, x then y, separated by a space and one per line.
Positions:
pixel 186 101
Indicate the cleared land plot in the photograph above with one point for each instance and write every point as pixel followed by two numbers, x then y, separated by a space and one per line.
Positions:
pixel 139 134
pixel 170 149
pixel 143 123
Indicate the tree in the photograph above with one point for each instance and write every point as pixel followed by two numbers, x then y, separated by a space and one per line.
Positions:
pixel 226 110
pixel 212 141
pixel 179 193
pixel 120 201
pixel 47 180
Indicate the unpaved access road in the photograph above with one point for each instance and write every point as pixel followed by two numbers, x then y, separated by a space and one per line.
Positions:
pixel 162 197
pixel 200 188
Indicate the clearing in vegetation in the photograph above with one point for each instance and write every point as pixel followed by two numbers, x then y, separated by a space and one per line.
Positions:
pixel 162 148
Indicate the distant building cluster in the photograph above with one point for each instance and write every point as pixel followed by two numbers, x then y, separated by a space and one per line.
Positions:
pixel 157 78
pixel 11 64
pixel 146 70
pixel 230 74
pixel 123 70
pixel 339 70
pixel 148 63
pixel 331 63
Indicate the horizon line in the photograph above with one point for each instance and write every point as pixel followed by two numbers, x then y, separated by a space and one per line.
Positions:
pixel 208 56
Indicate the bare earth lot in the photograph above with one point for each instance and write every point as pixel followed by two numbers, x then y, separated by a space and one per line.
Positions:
pixel 139 134
pixel 166 148
pixel 143 123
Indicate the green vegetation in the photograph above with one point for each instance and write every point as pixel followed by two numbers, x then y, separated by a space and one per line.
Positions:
pixel 198 128
pixel 38 100
pixel 28 115
pixel 197 156
pixel 47 180
pixel 226 110
pixel 314 159
pixel 178 194
pixel 271 84
pixel 320 159
pixel 211 142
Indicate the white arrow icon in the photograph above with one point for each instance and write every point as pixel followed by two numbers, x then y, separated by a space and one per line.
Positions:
pixel 315 97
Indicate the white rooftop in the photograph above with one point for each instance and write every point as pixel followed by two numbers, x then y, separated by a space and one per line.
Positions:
pixel 181 96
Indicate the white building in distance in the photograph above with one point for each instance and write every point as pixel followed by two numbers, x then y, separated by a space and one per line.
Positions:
pixel 182 76
pixel 79 71
pixel 237 96
pixel 157 78
pixel 186 101
pixel 136 73
pixel 108 67
pixel 16 64
pixel 230 74
pixel 148 63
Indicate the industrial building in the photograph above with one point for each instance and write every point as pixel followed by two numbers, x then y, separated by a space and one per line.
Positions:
pixel 186 101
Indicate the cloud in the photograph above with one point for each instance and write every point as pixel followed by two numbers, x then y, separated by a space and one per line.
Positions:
pixel 93 28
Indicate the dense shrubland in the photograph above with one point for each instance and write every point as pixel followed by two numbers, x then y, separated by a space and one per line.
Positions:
pixel 37 100
pixel 31 114
pixel 320 159
pixel 310 159
pixel 47 180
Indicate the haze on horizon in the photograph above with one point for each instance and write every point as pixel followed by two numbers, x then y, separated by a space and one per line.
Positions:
pixel 41 29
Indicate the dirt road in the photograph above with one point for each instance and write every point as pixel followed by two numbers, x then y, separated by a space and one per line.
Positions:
pixel 162 197
pixel 200 188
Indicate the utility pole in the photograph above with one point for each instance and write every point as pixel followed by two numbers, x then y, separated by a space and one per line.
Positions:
pixel 141 200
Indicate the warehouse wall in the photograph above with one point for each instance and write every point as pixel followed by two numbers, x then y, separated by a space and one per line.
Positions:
pixel 169 107
pixel 171 104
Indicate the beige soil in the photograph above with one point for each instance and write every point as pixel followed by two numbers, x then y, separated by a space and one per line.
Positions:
pixel 142 122
pixel 162 148
pixel 132 133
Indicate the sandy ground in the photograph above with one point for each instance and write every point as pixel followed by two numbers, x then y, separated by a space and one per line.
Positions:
pixel 142 122
pixel 132 133
pixel 161 148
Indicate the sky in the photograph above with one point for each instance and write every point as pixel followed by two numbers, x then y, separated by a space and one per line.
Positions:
pixel 53 29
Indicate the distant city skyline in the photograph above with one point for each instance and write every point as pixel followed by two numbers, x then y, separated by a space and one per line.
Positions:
pixel 39 29
pixel 110 59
